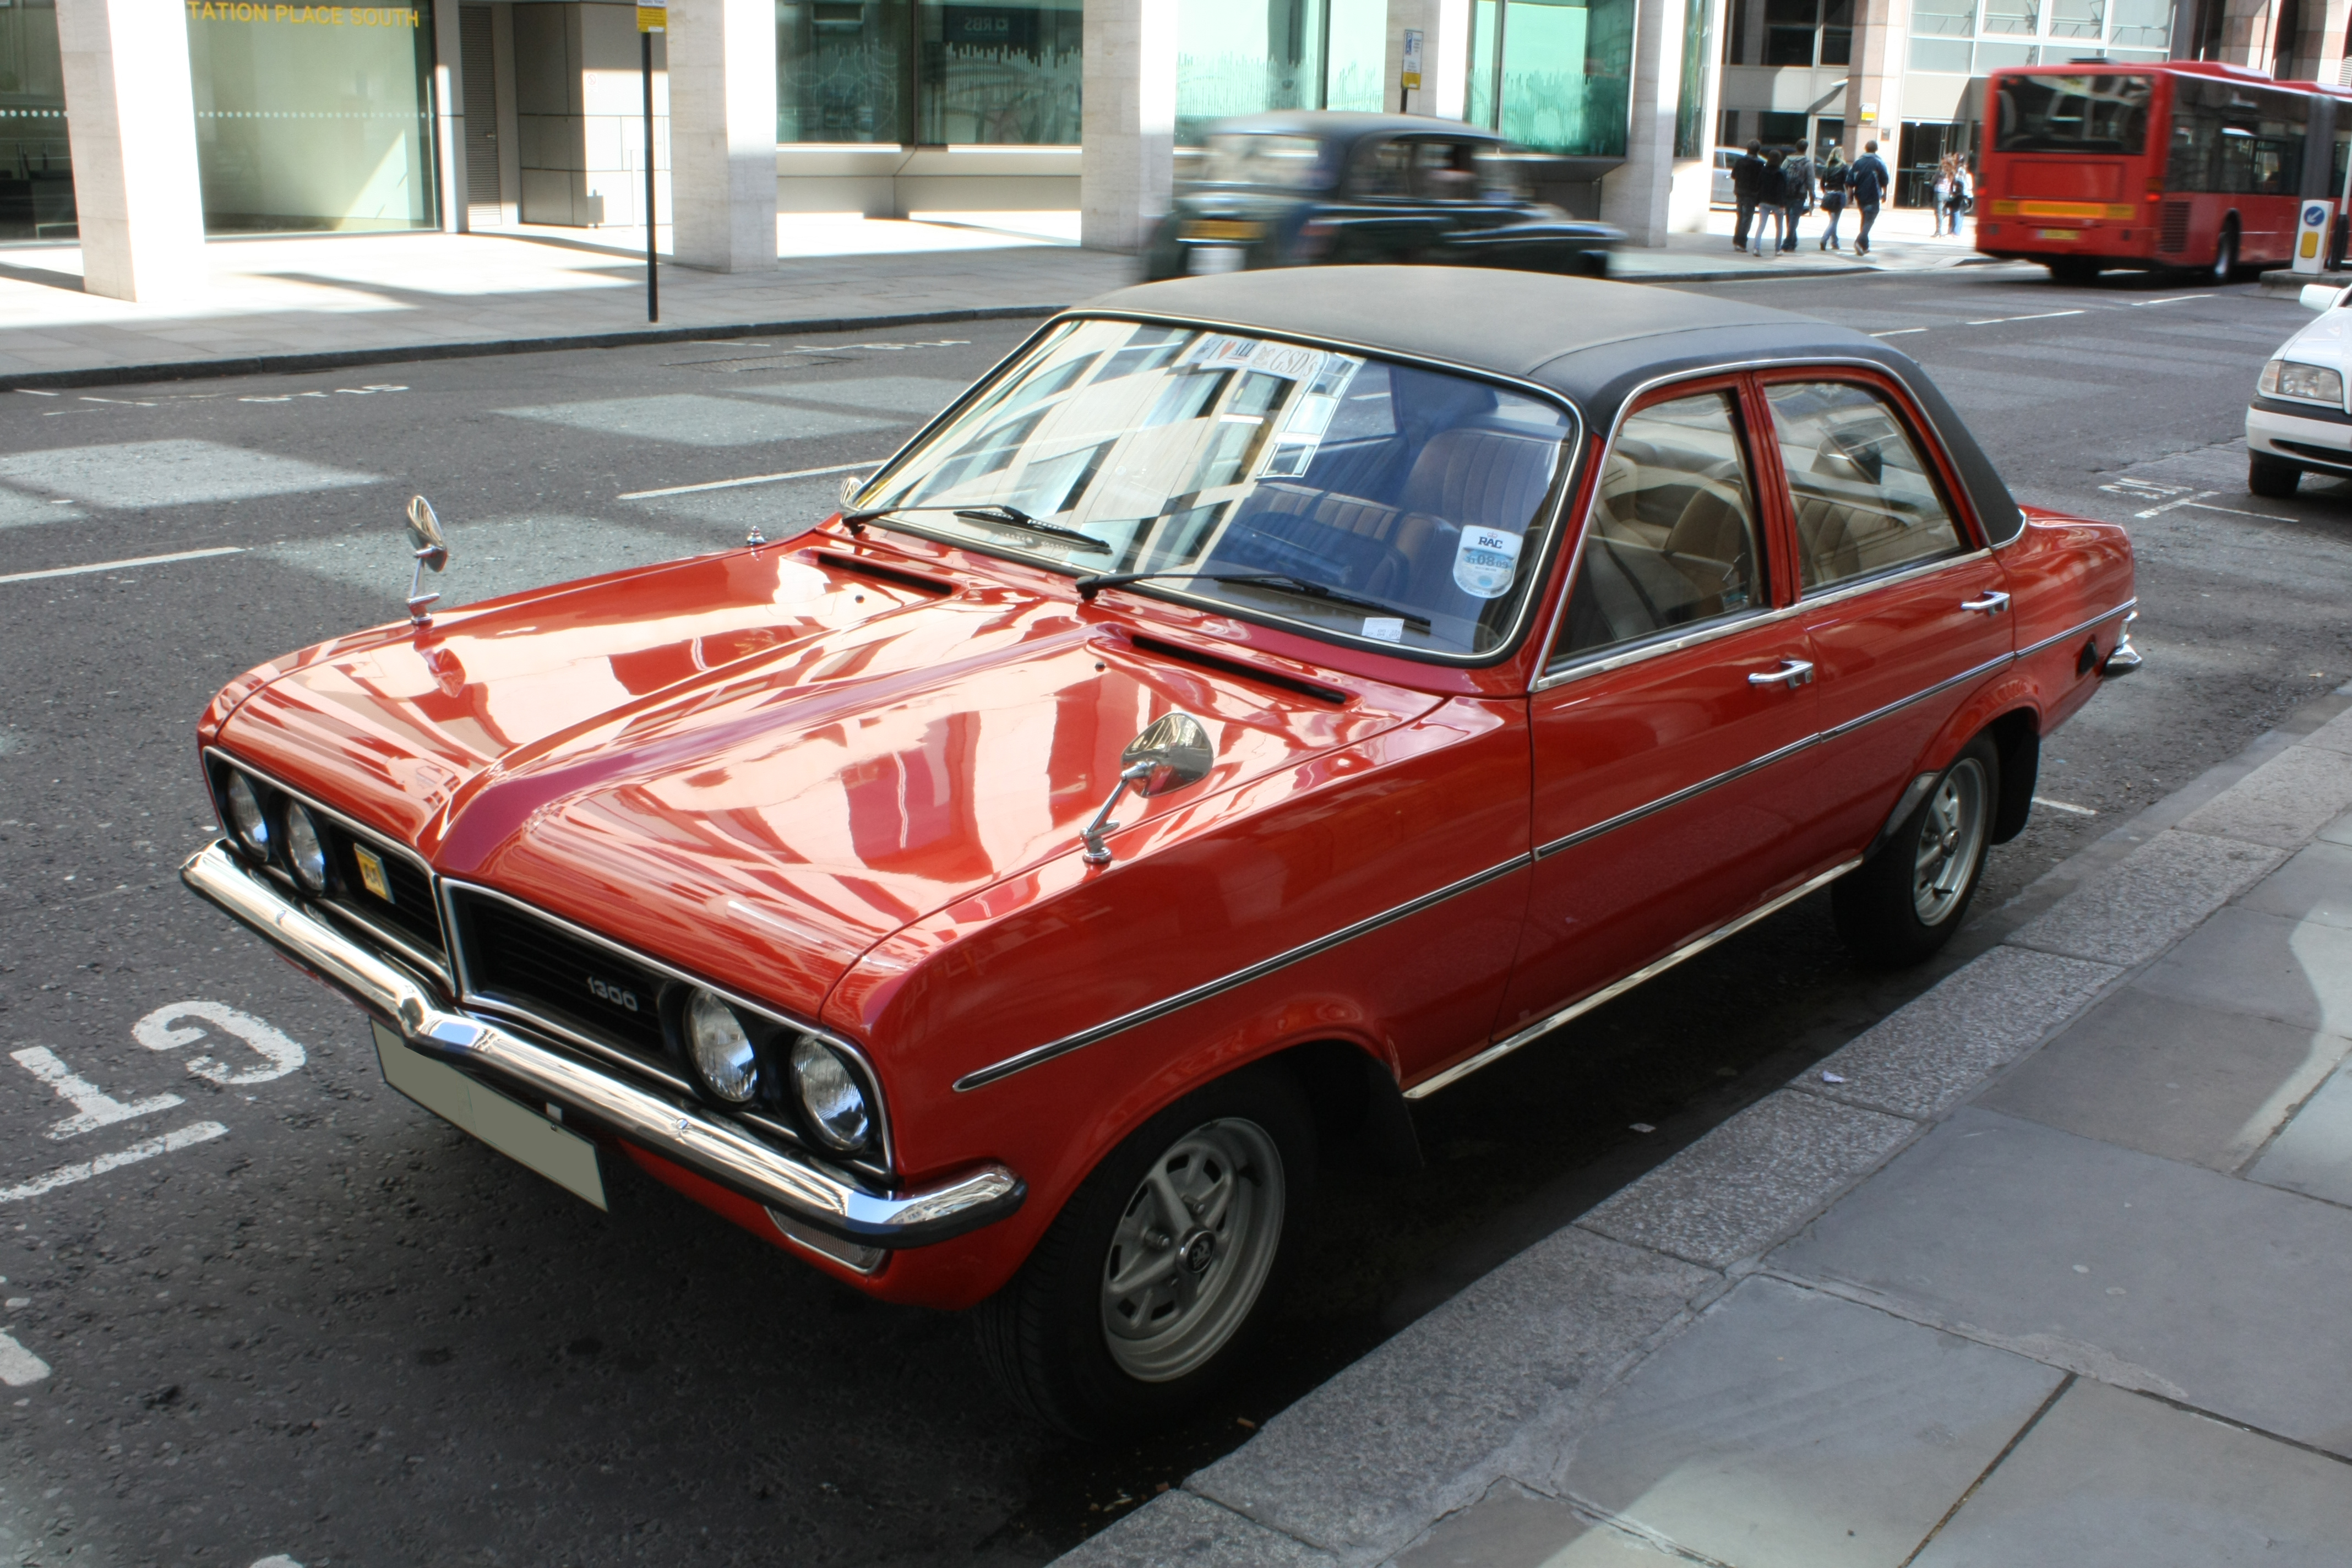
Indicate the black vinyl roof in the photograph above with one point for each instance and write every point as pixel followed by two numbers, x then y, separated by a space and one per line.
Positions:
pixel 1348 125
pixel 1593 343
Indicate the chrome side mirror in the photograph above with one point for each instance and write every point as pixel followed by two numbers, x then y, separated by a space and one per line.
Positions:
pixel 1172 752
pixel 850 485
pixel 431 548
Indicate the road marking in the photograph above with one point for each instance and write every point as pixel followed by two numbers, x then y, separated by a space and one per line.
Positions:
pixel 162 1031
pixel 35 392
pixel 2044 316
pixel 279 1561
pixel 1899 331
pixel 93 1106
pixel 66 1176
pixel 2176 299
pixel 2062 805
pixel 732 484
pixel 117 565
pixel 19 1366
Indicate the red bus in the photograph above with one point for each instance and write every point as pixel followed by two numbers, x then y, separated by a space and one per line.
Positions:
pixel 2177 163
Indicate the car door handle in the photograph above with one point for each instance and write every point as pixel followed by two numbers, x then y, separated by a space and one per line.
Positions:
pixel 1792 673
pixel 1993 602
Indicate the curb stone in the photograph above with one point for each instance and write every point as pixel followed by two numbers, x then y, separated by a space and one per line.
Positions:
pixel 1422 1426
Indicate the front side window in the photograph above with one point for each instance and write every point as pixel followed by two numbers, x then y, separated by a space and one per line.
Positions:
pixel 1670 542
pixel 1270 161
pixel 1366 499
pixel 1860 492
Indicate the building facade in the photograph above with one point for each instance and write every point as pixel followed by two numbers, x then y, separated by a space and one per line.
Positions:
pixel 250 116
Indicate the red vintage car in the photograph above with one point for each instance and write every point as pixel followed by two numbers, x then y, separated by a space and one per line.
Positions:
pixel 1260 702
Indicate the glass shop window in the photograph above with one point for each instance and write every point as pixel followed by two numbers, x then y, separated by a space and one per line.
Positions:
pixel 36 195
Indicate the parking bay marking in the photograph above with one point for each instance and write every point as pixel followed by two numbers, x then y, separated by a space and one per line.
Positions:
pixel 148 1149
pixel 19 1367
pixel 119 565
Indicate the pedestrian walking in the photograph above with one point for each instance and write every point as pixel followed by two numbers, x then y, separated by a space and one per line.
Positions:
pixel 1943 197
pixel 1770 202
pixel 1746 190
pixel 1796 194
pixel 1956 198
pixel 1834 169
pixel 1867 183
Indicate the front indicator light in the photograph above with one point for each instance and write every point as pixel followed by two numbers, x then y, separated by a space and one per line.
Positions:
pixel 829 1096
pixel 2305 383
pixel 306 849
pixel 246 817
pixel 720 1050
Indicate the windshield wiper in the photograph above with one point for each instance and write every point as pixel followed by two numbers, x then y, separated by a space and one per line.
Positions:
pixel 1305 587
pixel 997 513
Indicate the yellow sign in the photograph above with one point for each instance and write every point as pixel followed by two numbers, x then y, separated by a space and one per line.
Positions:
pixel 371 872
pixel 653 19
pixel 1412 79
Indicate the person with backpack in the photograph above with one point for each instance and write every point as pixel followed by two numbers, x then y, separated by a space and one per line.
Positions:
pixel 1834 169
pixel 1868 185
pixel 1769 202
pixel 1796 194
pixel 1746 191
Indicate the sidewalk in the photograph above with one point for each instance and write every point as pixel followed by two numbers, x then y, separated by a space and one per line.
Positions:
pixel 2053 1266
pixel 314 302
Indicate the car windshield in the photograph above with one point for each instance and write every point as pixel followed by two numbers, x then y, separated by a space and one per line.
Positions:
pixel 1415 498
pixel 1285 163
pixel 2074 114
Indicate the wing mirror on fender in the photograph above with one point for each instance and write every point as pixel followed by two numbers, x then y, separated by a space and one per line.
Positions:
pixel 1171 752
pixel 2322 296
pixel 431 548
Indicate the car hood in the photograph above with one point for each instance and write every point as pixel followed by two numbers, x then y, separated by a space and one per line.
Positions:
pixel 2327 341
pixel 756 766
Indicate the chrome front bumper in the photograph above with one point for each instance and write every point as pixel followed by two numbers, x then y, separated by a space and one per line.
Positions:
pixel 796 1186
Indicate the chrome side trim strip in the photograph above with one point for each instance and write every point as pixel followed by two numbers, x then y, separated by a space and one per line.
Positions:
pixel 2074 631
pixel 1685 793
pixel 1201 993
pixel 1925 693
pixel 806 1189
pixel 1502 1048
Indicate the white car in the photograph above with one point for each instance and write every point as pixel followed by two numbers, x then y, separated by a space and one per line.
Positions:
pixel 2298 419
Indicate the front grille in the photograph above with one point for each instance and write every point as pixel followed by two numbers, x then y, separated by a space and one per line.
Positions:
pixel 409 910
pixel 2334 456
pixel 515 957
pixel 2172 228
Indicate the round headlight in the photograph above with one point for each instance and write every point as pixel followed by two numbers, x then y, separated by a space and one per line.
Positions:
pixel 720 1049
pixel 829 1095
pixel 306 849
pixel 246 817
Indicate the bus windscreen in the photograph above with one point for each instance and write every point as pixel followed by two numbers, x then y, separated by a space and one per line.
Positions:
pixel 2074 114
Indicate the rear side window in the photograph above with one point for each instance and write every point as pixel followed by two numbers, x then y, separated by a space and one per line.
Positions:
pixel 1858 484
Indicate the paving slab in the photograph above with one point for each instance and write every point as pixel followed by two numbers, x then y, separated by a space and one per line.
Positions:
pixel 1177 1526
pixel 2335 736
pixel 2297 972
pixel 2283 802
pixel 1931 1053
pixel 2314 1156
pixel 1512 1527
pixel 2316 885
pixel 2169 1078
pixel 2111 1480
pixel 2143 1272
pixel 1791 1429
pixel 1750 1180
pixel 1413 1430
pixel 2338 831
pixel 2152 898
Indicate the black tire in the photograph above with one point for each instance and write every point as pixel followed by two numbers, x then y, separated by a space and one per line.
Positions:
pixel 2225 257
pixel 1046 1337
pixel 2273 477
pixel 1589 263
pixel 1884 907
pixel 2074 269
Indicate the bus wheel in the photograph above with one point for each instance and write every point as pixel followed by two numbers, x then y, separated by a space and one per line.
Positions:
pixel 2225 257
pixel 2273 477
pixel 2074 270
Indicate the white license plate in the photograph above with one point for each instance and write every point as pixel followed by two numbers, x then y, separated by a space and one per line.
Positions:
pixel 513 1129
pixel 1213 258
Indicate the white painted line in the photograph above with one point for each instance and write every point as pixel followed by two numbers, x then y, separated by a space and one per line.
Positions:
pixel 2176 299
pixel 35 392
pixel 2062 805
pixel 1899 331
pixel 19 1366
pixel 279 1561
pixel 118 565
pixel 2233 512
pixel 66 1176
pixel 732 484
pixel 2044 316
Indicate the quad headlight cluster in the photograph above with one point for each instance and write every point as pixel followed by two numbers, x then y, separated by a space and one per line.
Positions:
pixel 274 828
pixel 2304 382
pixel 744 1061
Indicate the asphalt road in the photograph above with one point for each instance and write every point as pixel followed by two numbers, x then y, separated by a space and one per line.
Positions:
pixel 283 1311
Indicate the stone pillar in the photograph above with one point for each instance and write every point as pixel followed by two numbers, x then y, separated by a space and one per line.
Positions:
pixel 722 133
pixel 1637 193
pixel 1445 29
pixel 2322 41
pixel 1874 81
pixel 131 123
pixel 1127 121
pixel 449 115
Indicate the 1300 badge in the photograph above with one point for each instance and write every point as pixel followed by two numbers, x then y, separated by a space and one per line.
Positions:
pixel 604 991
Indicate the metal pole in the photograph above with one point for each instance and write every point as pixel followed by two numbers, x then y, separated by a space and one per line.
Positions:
pixel 653 272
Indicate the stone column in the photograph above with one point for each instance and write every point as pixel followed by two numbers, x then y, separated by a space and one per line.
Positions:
pixel 1127 121
pixel 449 115
pixel 1637 193
pixel 722 133
pixel 131 123
pixel 2323 40
pixel 1445 29
pixel 1874 81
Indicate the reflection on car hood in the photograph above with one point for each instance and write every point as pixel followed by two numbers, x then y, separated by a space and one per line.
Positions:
pixel 2327 341
pixel 757 764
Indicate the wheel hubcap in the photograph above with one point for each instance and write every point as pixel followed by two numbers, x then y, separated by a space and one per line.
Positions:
pixel 1191 1250
pixel 1951 835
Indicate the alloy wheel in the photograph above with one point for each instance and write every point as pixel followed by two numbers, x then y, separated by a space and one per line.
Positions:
pixel 1951 837
pixel 1192 1249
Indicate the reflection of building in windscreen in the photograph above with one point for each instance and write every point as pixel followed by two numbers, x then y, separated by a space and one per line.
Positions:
pixel 1409 495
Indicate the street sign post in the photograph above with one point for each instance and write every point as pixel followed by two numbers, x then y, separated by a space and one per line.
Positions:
pixel 1409 78
pixel 2311 235
pixel 651 19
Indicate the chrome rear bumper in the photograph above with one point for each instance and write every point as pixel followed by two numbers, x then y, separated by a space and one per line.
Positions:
pixel 678 1130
